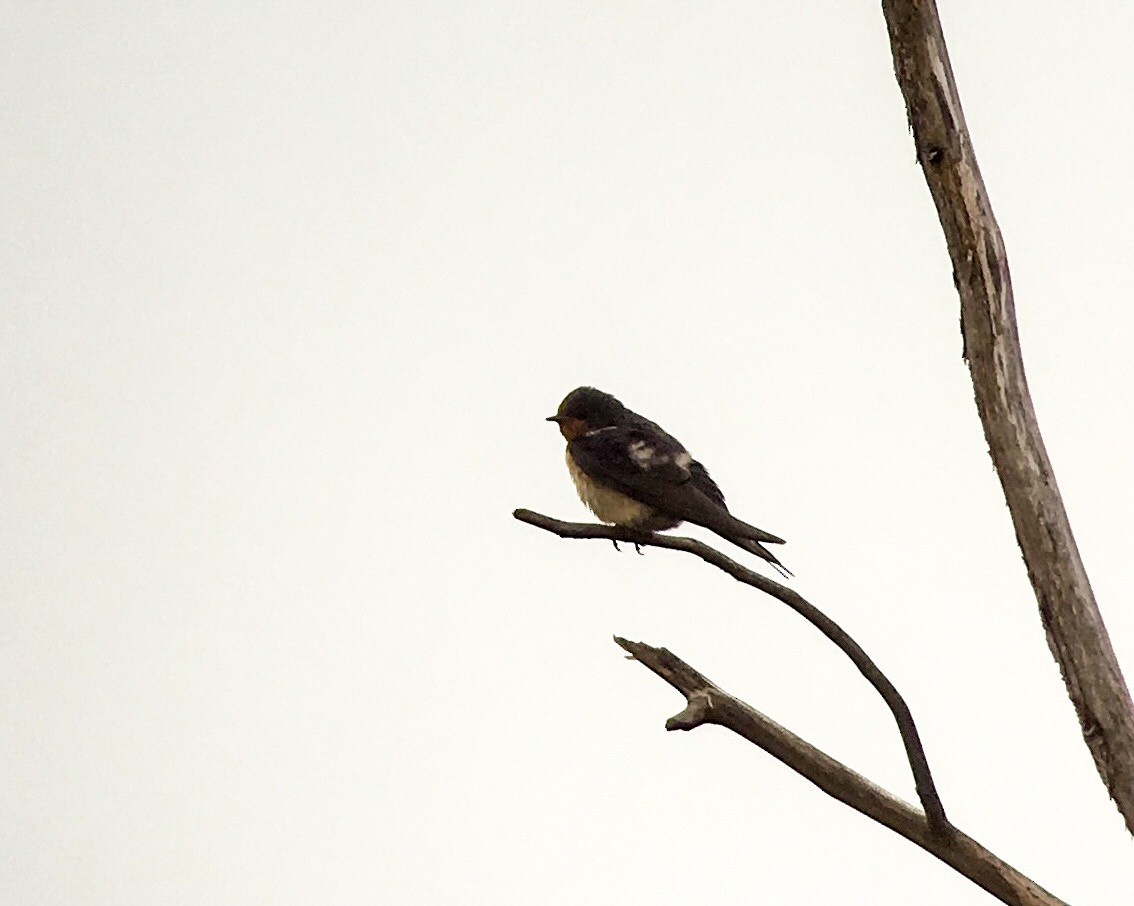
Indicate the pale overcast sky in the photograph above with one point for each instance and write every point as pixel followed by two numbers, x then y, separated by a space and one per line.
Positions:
pixel 287 292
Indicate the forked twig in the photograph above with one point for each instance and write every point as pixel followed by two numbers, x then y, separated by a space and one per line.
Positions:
pixel 923 779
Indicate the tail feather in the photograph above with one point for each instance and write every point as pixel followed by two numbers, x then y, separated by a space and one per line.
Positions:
pixel 755 547
pixel 745 536
pixel 705 506
pixel 726 525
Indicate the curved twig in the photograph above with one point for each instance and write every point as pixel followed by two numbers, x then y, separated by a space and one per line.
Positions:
pixel 709 704
pixel 923 779
pixel 1075 630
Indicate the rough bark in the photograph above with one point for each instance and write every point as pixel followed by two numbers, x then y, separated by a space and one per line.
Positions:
pixel 709 704
pixel 1075 631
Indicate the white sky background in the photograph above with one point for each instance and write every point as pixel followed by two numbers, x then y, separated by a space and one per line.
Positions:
pixel 287 293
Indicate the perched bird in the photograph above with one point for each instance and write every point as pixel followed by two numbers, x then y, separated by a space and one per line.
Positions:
pixel 631 473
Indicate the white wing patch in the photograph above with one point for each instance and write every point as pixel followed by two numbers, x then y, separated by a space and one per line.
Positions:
pixel 644 455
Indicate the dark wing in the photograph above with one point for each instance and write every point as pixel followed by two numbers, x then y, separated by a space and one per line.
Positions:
pixel 632 458
pixel 705 484
pixel 645 463
pixel 698 474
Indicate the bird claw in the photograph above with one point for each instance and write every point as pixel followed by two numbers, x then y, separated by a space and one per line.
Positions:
pixel 638 549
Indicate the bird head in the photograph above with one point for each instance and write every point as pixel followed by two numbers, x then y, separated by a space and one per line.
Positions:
pixel 587 409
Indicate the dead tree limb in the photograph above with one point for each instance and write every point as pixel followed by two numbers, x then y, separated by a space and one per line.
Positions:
pixel 915 753
pixel 708 704
pixel 1075 631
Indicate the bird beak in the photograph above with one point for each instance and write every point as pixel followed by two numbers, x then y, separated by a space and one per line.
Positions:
pixel 569 426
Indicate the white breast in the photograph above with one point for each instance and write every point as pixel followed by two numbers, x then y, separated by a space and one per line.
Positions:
pixel 609 505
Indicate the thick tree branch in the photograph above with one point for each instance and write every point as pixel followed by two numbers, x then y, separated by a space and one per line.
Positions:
pixel 708 704
pixel 1075 631
pixel 923 779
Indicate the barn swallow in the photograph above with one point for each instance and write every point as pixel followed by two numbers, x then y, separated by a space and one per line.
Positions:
pixel 631 473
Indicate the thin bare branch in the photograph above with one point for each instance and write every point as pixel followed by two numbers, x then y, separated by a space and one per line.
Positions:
pixel 923 779
pixel 709 704
pixel 1075 630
